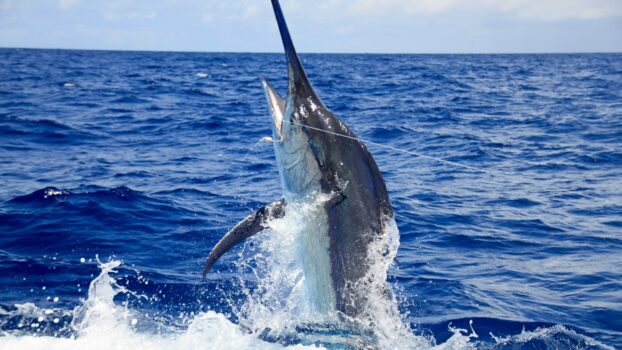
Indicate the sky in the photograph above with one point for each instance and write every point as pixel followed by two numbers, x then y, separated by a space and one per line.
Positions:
pixel 366 26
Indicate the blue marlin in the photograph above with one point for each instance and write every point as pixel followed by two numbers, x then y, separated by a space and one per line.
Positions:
pixel 317 153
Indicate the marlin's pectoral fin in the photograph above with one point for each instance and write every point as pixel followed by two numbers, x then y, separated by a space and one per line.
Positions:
pixel 254 223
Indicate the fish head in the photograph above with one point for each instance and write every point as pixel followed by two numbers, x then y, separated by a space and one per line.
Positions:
pixel 294 145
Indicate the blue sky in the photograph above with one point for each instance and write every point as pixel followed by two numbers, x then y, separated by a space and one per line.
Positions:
pixel 408 26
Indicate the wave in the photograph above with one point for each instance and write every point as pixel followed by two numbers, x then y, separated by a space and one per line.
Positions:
pixel 90 218
pixel 54 194
pixel 174 172
pixel 45 131
pixel 99 322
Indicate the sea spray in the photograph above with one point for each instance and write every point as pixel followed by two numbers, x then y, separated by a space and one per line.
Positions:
pixel 292 271
pixel 285 296
pixel 100 323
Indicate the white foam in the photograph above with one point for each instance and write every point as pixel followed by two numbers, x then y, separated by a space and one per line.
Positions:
pixel 101 324
pixel 380 311
pixel 459 340
pixel 207 331
pixel 550 336
pixel 50 192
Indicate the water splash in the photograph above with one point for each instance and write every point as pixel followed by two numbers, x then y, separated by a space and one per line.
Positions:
pixel 283 298
pixel 100 323
pixel 290 293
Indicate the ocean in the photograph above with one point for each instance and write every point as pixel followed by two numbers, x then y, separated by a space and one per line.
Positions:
pixel 119 171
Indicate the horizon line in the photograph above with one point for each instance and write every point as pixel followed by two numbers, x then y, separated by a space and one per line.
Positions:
pixel 315 53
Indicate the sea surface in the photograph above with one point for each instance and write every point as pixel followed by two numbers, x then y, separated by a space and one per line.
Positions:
pixel 119 171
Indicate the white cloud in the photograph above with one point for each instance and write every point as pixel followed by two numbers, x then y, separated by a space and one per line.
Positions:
pixel 250 12
pixel 208 17
pixel 413 7
pixel 67 4
pixel 319 25
pixel 544 10
pixel 295 5
pixel 6 5
pixel 552 10
pixel 122 10
pixel 230 10
pixel 121 16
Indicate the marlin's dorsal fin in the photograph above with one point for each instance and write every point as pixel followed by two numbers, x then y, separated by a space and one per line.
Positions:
pixel 254 223
pixel 297 76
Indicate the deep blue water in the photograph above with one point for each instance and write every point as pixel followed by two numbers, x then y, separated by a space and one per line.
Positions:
pixel 149 158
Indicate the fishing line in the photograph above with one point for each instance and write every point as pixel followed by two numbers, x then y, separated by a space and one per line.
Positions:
pixel 381 145
pixel 244 200
pixel 412 153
